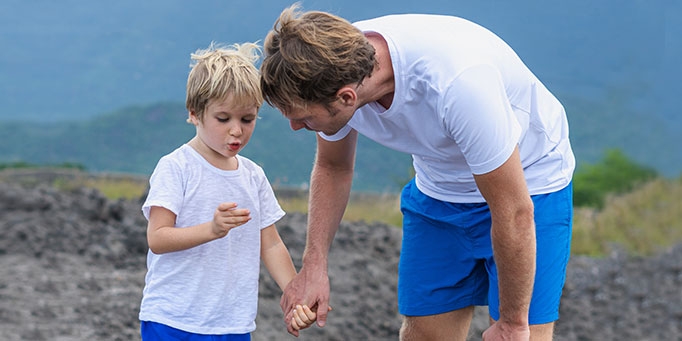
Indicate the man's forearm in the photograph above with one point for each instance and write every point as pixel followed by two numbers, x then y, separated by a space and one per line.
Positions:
pixel 329 193
pixel 514 249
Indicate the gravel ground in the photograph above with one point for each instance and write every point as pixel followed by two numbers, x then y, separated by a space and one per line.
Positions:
pixel 72 267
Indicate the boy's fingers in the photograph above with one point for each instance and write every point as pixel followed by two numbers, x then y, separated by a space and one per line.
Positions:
pixel 294 324
pixel 226 206
pixel 308 313
pixel 304 316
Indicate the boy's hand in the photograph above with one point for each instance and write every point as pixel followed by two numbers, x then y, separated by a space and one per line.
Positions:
pixel 227 216
pixel 303 317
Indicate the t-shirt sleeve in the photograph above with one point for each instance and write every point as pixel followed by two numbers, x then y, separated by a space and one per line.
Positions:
pixel 478 115
pixel 165 188
pixel 271 212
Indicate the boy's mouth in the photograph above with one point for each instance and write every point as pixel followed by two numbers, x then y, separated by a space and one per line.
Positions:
pixel 235 146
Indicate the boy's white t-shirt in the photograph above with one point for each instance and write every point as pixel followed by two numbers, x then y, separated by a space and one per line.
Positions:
pixel 211 288
pixel 463 100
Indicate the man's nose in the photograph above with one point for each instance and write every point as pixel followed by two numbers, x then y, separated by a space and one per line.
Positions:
pixel 296 125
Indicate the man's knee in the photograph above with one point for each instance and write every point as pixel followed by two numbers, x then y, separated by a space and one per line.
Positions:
pixel 453 325
pixel 542 332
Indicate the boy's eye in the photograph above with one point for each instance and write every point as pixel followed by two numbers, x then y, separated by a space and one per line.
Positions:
pixel 247 120
pixel 222 120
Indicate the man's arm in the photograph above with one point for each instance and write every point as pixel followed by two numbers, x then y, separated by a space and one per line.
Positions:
pixel 513 239
pixel 330 185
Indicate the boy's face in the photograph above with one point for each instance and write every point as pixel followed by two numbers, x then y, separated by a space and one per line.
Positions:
pixel 225 128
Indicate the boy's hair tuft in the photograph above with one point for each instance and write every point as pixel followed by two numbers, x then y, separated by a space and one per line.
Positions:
pixel 221 70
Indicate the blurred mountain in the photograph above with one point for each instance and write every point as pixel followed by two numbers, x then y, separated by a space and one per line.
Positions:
pixel 613 63
pixel 132 139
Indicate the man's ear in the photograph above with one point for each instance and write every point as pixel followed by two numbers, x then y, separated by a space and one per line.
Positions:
pixel 347 96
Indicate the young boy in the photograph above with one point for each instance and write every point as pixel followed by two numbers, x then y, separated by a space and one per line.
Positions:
pixel 211 213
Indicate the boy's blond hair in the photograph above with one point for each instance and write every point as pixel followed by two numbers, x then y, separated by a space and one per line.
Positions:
pixel 219 71
pixel 310 56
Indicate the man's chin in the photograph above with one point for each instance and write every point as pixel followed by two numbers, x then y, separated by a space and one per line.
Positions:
pixel 329 132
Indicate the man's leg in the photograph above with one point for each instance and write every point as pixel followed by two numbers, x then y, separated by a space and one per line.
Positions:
pixel 553 222
pixel 453 325
pixel 441 274
pixel 541 332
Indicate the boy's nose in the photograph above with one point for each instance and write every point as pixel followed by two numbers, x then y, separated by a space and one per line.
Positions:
pixel 235 131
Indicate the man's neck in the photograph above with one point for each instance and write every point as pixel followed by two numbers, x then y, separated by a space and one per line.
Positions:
pixel 379 87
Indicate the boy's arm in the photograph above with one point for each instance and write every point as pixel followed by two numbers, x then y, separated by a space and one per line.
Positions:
pixel 277 260
pixel 276 257
pixel 330 185
pixel 163 236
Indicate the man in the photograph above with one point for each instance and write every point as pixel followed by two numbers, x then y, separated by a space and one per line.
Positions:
pixel 487 219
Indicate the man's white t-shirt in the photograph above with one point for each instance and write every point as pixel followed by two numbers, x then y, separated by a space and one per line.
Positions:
pixel 211 288
pixel 463 100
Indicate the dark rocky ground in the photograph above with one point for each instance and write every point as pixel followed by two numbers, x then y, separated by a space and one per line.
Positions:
pixel 72 267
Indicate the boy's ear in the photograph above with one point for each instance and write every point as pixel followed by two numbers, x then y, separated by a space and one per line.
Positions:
pixel 192 118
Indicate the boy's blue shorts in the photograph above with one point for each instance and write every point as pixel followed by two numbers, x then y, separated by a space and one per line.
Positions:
pixel 446 260
pixel 153 331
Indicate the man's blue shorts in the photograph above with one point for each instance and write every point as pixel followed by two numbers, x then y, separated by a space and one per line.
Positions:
pixel 153 331
pixel 446 260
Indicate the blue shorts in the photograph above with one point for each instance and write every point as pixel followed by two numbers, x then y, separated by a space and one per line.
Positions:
pixel 446 260
pixel 153 331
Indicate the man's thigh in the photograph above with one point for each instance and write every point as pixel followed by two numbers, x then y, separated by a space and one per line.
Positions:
pixel 553 223
pixel 444 250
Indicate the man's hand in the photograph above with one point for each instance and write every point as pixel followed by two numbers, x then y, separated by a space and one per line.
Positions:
pixel 310 287
pixel 506 331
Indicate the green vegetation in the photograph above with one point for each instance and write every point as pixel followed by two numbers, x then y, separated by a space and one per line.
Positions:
pixel 628 207
pixel 642 221
pixel 384 208
pixel 615 174
pixel 24 165
pixel 112 187
pixel 618 202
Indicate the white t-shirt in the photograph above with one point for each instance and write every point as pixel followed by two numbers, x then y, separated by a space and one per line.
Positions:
pixel 463 100
pixel 211 288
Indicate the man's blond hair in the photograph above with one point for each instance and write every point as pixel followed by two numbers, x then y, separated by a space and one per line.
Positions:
pixel 219 71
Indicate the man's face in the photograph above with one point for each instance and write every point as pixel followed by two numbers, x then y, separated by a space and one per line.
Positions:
pixel 316 117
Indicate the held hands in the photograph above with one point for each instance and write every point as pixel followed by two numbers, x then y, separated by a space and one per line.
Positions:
pixel 303 317
pixel 311 287
pixel 227 216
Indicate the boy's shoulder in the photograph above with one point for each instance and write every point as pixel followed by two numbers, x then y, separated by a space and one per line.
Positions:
pixel 248 163
pixel 180 154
